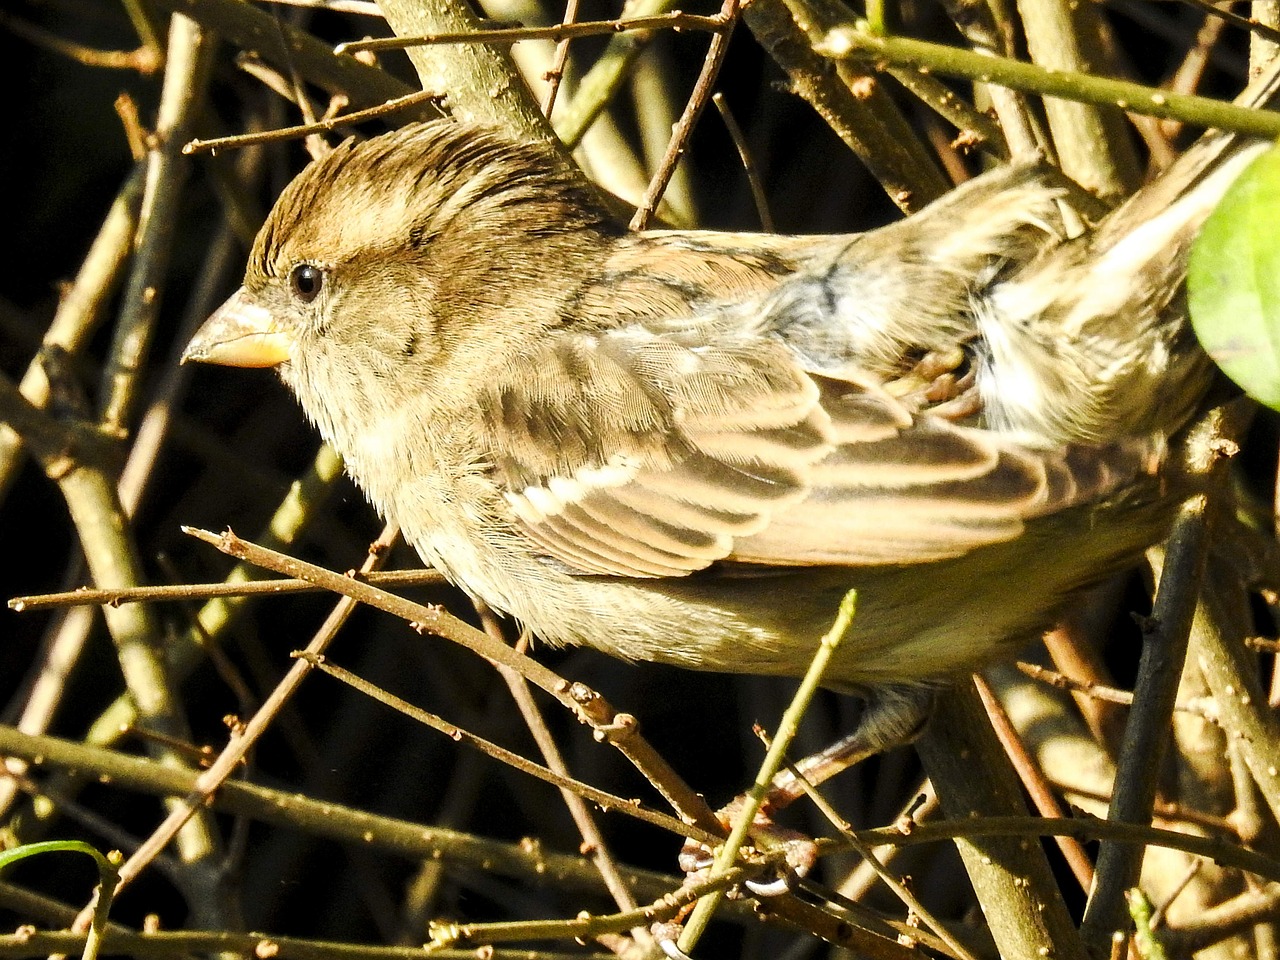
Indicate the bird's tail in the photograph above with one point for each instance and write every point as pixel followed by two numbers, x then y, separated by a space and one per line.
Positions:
pixel 1097 326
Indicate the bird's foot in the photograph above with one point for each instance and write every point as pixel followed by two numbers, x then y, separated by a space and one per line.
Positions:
pixel 785 854
pixel 893 716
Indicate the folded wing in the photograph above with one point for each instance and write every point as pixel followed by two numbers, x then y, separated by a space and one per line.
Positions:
pixel 624 453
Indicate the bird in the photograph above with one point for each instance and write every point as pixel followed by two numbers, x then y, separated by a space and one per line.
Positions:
pixel 686 446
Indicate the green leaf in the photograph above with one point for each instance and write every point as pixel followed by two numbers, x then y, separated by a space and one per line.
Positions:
pixel 1233 281
pixel 107 879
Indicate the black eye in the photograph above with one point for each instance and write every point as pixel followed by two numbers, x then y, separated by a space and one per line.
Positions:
pixel 305 280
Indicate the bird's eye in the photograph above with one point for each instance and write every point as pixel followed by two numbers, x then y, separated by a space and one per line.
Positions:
pixel 305 280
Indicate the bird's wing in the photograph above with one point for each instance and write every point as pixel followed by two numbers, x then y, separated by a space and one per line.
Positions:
pixel 630 454
pixel 929 488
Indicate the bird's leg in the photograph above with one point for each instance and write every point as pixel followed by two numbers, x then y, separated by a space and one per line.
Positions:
pixel 893 716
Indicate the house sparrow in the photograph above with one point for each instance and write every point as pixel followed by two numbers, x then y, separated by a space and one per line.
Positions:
pixel 687 446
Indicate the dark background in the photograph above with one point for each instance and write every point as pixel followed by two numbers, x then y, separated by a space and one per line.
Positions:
pixel 237 442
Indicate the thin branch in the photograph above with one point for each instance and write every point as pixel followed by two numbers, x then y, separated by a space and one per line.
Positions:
pixel 1034 782
pixel 555 74
pixel 1205 710
pixel 287 808
pixel 1214 849
pixel 606 801
pixel 244 737
pixel 748 163
pixel 145 59
pixel 88 596
pixel 1252 24
pixel 692 111
pixel 582 927
pixel 558 32
pixel 1156 688
pixel 619 730
pixel 182 95
pixel 325 125
pixel 843 43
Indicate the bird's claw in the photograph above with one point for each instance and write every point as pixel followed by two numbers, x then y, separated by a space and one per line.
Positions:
pixel 667 936
pixel 776 887
pixel 792 854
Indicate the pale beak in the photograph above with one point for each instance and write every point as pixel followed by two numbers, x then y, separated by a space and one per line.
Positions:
pixel 241 333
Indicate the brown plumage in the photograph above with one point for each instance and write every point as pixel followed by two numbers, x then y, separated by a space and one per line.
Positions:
pixel 687 446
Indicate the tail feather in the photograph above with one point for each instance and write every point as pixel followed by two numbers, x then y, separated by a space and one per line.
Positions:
pixel 1090 340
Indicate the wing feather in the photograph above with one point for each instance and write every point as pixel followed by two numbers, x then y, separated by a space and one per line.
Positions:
pixel 668 458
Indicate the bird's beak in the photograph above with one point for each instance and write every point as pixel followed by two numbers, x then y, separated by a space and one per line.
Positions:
pixel 241 333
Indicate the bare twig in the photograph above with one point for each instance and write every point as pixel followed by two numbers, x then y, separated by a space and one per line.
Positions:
pixel 748 163
pixel 287 47
pixel 693 109
pixel 326 125
pixel 1033 780
pixel 557 32
pixel 87 596
pixel 849 42
pixel 145 59
pixel 244 737
pixel 556 72
pixel 1156 690
pixel 605 800
pixel 620 730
